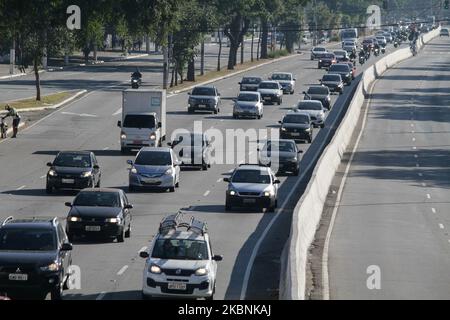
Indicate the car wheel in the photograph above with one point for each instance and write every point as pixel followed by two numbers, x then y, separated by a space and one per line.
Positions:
pixel 204 166
pixel 145 297
pixel 98 184
pixel 121 237
pixel 271 209
pixel 172 189
pixel 293 92
pixel 49 189
pixel 128 232
pixel 70 237
pixel 216 111
pixel 309 140
pixel 227 207
pixel 190 110
pixel 56 293
pixel 235 116
pixel 131 189
pixel 280 102
pixel 296 172
pixel 322 126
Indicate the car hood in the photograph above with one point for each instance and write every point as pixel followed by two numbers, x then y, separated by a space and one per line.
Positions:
pixel 70 170
pixel 180 264
pixel 296 126
pixel 95 212
pixel 318 96
pixel 330 83
pixel 247 104
pixel 285 82
pixel 249 187
pixel 280 155
pixel 268 91
pixel 151 169
pixel 313 113
pixel 203 97
pixel 13 258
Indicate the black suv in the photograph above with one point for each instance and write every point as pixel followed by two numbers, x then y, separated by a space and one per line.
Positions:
pixel 73 170
pixel 35 258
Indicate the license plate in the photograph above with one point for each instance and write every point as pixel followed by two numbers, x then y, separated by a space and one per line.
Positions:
pixel 137 142
pixel 177 286
pixel 249 201
pixel 68 181
pixel 150 180
pixel 267 98
pixel 202 106
pixel 295 134
pixel 93 228
pixel 18 277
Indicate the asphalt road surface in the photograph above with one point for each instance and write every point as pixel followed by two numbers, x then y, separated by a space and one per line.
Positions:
pixel 113 270
pixel 394 211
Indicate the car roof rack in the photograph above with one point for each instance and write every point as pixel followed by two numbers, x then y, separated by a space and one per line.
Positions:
pixel 198 226
pixel 9 219
pixel 170 223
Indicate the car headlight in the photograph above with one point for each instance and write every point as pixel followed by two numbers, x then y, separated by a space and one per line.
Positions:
pixel 153 136
pixel 74 219
pixel 201 272
pixel 283 129
pixel 191 101
pixel 134 171
pixel 308 130
pixel 123 136
pixel 86 174
pixel 113 220
pixel 154 269
pixel 294 160
pixel 320 61
pixel 266 194
pixel 169 172
pixel 52 173
pixel 51 267
pixel 232 193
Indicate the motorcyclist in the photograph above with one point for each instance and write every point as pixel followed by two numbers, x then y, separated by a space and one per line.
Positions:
pixel 12 112
pixel 353 55
pixel 137 74
pixel 362 55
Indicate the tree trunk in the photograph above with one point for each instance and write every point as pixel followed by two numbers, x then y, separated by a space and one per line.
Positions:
pixel 264 35
pixel 38 80
pixel 242 49
pixel 191 70
pixel 253 41
pixel 259 45
pixel 95 52
pixel 173 76
pixel 219 57
pixel 202 58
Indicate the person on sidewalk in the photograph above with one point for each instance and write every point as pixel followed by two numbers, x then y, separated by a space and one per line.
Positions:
pixel 12 112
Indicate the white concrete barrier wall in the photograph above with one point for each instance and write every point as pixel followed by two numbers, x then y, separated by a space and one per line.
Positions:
pixel 308 212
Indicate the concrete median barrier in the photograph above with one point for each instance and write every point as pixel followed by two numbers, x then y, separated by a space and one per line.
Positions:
pixel 308 211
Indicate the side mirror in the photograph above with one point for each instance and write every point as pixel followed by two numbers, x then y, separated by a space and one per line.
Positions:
pixel 300 151
pixel 226 179
pixel 277 181
pixel 170 144
pixel 189 93
pixel 49 164
pixel 66 247
pixel 217 258
pixel 304 92
pixel 68 204
pixel 130 162
pixel 280 122
pixel 97 167
pixel 119 124
pixel 239 83
pixel 144 255
pixel 129 206
pixel 159 125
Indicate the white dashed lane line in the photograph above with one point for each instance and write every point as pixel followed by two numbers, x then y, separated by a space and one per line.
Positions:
pixel 428 196
pixel 441 226
pixel 21 188
pixel 143 249
pixel 433 210
pixel 206 193
pixel 122 271
pixel 101 296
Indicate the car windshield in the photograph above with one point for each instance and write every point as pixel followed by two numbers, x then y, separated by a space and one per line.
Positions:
pixel 189 139
pixel 331 77
pixel 282 77
pixel 35 239
pixel 318 90
pixel 329 56
pixel 340 53
pixel 154 158
pixel 268 85
pixel 73 160
pixel 139 121
pixel 296 118
pixel 97 199
pixel 204 91
pixel 248 97
pixel 319 49
pixel 180 249
pixel 310 105
pixel 251 176
pixel 339 68
pixel 251 81
pixel 282 146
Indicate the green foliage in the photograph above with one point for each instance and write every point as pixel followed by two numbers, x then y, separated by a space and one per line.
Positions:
pixel 278 53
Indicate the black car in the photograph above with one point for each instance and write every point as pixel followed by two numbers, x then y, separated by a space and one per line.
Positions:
pixel 193 150
pixel 333 82
pixel 281 156
pixel 35 258
pixel 344 70
pixel 101 213
pixel 73 170
pixel 319 93
pixel 327 60
pixel 297 126
pixel 250 83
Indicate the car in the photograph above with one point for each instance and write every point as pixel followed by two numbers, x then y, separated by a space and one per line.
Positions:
pixel 344 70
pixel 281 156
pixel 341 55
pixel 193 149
pixel 349 46
pixel 271 92
pixel 444 33
pixel 317 52
pixel 349 49
pixel 180 262
pixel 155 168
pixel 102 213
pixel 250 83
pixel 388 36
pixel 315 110
pixel 368 43
pixel 381 40
pixel 320 93
pixel 248 105
pixel 334 82
pixel 204 98
pixel 297 126
pixel 74 170
pixel 327 60
pixel 287 81
pixel 35 258
pixel 352 68
pixel 252 186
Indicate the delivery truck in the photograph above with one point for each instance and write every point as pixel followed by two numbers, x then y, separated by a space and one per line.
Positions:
pixel 143 121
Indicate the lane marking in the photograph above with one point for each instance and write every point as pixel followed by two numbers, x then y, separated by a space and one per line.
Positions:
pixel 433 210
pixel 206 193
pixel 219 180
pixel 414 139
pixel 43 177
pixel 107 148
pixel 428 196
pixel 101 295
pixel 21 188
pixel 441 226
pixel 117 112
pixel 143 249
pixel 122 271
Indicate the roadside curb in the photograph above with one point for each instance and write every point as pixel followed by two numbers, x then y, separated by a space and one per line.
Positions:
pixel 52 107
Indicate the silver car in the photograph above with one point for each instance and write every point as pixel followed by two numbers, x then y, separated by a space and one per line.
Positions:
pixel 248 105
pixel 155 168
pixel 271 92
pixel 287 81
pixel 204 98
pixel 315 110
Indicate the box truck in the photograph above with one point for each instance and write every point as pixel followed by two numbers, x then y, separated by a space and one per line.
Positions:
pixel 143 121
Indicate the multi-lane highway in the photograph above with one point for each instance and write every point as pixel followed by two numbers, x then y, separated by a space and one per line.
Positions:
pixel 392 226
pixel 114 270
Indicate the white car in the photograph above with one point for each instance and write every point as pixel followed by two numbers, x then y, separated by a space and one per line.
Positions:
pixel 382 40
pixel 287 81
pixel 271 92
pixel 317 53
pixel 179 261
pixel 248 105
pixel 315 110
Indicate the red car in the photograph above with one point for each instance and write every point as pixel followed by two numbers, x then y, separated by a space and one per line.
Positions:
pixel 352 67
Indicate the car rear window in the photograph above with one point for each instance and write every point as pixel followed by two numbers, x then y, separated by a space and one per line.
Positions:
pixel 309 105
pixel 318 90
pixel 139 121
pixel 27 239
pixel 339 68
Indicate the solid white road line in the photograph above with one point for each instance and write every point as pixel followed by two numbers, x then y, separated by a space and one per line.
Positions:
pixel 122 271
pixel 219 180
pixel 118 112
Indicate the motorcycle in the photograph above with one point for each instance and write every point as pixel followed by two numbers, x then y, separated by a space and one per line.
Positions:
pixel 396 44
pixel 3 129
pixel 362 60
pixel 135 82
pixel 383 50
pixel 376 52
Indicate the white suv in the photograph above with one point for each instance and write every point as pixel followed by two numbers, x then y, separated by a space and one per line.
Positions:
pixel 180 262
